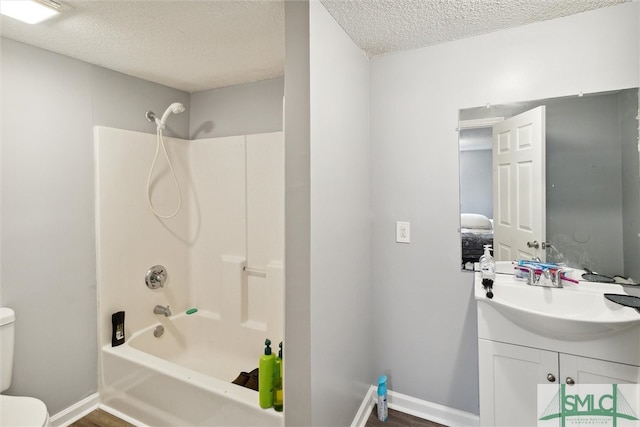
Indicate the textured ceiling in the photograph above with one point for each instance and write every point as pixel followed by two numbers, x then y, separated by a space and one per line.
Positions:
pixel 188 45
pixel 196 45
pixel 385 26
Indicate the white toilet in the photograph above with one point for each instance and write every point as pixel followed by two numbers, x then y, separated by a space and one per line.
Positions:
pixel 15 411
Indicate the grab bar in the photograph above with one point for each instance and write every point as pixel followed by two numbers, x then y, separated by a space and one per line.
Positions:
pixel 254 271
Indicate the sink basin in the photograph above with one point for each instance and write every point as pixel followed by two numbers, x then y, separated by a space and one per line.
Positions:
pixel 574 312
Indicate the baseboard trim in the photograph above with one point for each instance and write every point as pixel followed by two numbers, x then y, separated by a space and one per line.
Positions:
pixel 76 411
pixel 360 420
pixel 432 411
pixel 123 417
pixel 398 401
pixel 416 407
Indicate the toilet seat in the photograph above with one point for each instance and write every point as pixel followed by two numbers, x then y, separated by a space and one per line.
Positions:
pixel 22 411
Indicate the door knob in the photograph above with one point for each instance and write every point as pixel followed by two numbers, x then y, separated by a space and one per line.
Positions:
pixel 570 381
pixel 533 244
pixel 551 378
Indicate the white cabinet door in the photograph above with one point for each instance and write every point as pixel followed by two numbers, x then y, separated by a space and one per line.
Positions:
pixel 580 395
pixel 509 376
pixel 583 370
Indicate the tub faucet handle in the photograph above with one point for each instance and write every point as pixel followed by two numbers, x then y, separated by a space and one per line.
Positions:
pixel 156 276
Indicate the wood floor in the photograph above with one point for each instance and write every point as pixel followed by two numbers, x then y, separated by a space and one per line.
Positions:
pixel 398 419
pixel 100 418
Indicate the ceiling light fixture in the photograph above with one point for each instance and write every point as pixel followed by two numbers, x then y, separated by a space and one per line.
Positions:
pixel 30 11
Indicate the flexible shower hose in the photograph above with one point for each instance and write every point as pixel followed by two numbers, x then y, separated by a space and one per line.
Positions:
pixel 160 143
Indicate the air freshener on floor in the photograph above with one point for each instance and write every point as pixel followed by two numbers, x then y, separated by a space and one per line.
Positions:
pixel 117 336
pixel 383 411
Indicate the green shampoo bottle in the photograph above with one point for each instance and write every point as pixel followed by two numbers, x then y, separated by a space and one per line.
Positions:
pixel 265 376
pixel 278 398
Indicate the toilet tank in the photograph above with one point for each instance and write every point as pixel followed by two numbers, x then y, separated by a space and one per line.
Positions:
pixel 7 327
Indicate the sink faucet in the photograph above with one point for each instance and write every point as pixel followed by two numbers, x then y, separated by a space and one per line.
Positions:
pixel 547 278
pixel 158 309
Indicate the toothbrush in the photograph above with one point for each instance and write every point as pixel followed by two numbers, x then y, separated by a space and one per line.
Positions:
pixel 569 279
pixel 539 271
pixel 523 263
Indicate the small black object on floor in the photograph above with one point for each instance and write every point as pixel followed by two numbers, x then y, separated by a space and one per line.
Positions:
pixel 398 419
pixel 248 379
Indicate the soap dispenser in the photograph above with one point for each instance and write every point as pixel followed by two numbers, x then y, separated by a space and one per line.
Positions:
pixel 265 376
pixel 487 264
pixel 488 270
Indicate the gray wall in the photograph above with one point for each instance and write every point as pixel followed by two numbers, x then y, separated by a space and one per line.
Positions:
pixel 425 311
pixel 50 104
pixel 628 105
pixel 328 328
pixel 224 111
pixel 297 242
pixel 476 191
pixel 342 340
pixel 584 182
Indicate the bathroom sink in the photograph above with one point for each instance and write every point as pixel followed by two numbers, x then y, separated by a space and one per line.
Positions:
pixel 574 312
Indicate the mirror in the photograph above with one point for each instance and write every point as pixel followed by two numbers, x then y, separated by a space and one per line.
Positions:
pixel 592 175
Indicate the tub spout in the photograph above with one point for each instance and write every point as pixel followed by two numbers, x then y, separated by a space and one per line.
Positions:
pixel 158 309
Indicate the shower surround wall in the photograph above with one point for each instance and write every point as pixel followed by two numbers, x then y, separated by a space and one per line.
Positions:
pixel 232 216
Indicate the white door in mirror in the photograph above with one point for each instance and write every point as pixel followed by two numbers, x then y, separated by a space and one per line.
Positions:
pixel 518 186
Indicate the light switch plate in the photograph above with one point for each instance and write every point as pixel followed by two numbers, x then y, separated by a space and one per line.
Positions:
pixel 403 232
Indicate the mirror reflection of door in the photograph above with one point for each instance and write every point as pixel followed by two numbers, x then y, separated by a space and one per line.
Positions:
pixel 592 180
pixel 519 187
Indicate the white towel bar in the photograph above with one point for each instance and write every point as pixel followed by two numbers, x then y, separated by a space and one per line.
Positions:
pixel 253 271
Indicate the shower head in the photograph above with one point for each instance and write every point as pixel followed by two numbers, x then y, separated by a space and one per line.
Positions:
pixel 175 108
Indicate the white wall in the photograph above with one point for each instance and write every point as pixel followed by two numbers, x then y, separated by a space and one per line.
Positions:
pixel 130 239
pixel 50 104
pixel 231 215
pixel 426 313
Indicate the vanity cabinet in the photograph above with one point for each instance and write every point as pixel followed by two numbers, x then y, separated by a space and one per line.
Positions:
pixel 530 335
pixel 509 376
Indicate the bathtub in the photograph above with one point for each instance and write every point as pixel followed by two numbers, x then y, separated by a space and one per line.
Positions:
pixel 183 378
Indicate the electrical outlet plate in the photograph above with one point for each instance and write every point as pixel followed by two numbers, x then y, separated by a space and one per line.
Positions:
pixel 403 232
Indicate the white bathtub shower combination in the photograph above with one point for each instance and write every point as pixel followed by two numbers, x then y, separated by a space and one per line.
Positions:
pixel 232 218
pixel 184 376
